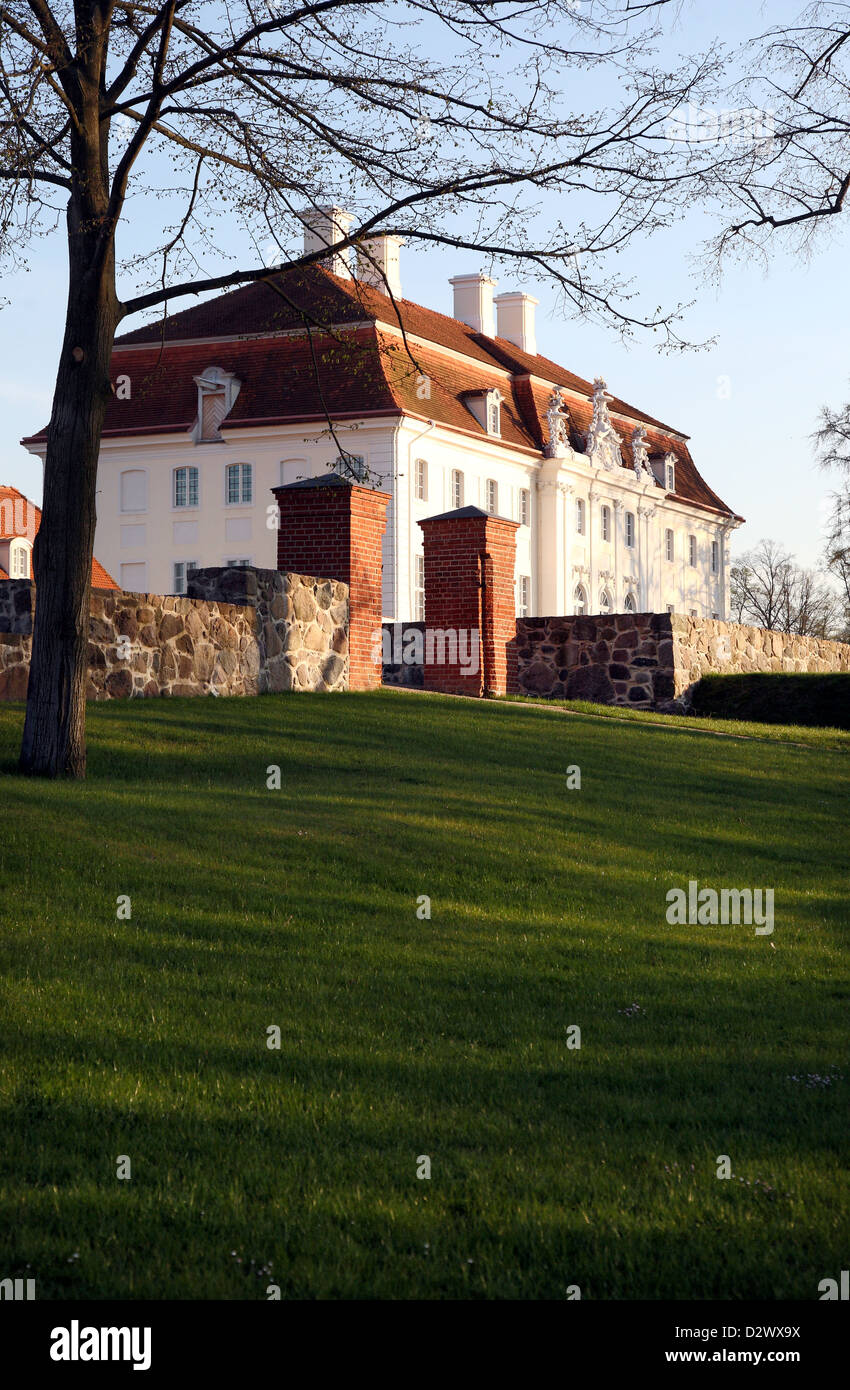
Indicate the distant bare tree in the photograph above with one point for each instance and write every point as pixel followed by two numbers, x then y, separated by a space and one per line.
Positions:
pixel 768 589
pixel 831 440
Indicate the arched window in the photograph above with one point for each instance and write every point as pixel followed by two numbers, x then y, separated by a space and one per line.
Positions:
pixel 580 514
pixel 19 562
pixel 239 484
pixel 605 602
pixel 629 605
pixel 580 599
pixel 184 487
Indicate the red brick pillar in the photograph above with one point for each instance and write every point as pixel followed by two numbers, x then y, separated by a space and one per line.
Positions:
pixel 332 528
pixel 470 559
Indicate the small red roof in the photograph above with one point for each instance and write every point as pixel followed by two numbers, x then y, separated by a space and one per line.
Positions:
pixel 21 517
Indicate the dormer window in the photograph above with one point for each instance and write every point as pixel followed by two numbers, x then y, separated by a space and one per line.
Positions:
pixel 486 406
pixel 217 391
pixel 669 474
pixel 19 562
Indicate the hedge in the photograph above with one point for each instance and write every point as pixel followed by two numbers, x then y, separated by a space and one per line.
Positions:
pixel 777 698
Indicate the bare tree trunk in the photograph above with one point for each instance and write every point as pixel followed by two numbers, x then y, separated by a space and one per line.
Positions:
pixel 54 731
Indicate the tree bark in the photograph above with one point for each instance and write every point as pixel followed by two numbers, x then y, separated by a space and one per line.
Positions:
pixel 54 731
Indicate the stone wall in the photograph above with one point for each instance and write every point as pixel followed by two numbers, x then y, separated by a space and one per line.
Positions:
pixel 654 660
pixel 16 599
pixel 401 672
pixel 703 646
pixel 237 632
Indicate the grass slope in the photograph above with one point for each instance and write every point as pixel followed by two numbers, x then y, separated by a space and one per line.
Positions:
pixel 404 1037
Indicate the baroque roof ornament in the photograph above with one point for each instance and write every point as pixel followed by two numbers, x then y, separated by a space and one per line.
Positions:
pixel 557 419
pixel 603 442
pixel 640 455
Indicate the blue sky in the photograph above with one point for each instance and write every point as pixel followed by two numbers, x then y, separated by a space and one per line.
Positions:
pixel 781 344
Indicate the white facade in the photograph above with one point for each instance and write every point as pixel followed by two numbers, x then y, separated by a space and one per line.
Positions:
pixel 609 552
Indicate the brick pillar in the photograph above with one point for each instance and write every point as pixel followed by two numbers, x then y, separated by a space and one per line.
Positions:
pixel 470 559
pixel 332 528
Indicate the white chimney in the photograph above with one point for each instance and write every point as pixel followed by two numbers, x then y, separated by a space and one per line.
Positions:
pixel 516 320
pixel 474 302
pixel 378 263
pixel 324 226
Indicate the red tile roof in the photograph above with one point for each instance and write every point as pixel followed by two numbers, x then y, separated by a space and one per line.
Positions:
pixel 17 520
pixel 307 342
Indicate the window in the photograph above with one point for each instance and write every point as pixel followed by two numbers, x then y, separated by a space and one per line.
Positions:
pixel 19 562
pixel 693 612
pixel 240 484
pixel 494 414
pixel 457 488
pixel 692 550
pixel 715 557
pixel 524 595
pixel 491 493
pixel 419 588
pixel 606 523
pixel 134 490
pixel 605 602
pixel 630 529
pixel 352 466
pixel 716 616
pixel 217 390
pixel 182 570
pixel 524 507
pixel 238 564
pixel 669 544
pixel 579 599
pixel 669 475
pixel 185 487
pixel 421 471
pixel 670 608
pixel 580 513
pixel 213 411
pixel 629 606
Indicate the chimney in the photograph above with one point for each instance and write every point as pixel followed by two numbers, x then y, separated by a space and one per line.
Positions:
pixel 380 265
pixel 324 226
pixel 474 302
pixel 516 320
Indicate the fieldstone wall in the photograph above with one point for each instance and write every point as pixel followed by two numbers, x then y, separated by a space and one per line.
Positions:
pixel 238 632
pixel 397 671
pixel 703 646
pixel 16 600
pixel 654 660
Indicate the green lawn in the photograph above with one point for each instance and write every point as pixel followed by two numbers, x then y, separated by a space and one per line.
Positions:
pixel 403 1037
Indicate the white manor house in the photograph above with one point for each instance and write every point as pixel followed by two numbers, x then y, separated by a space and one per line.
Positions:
pixel 285 378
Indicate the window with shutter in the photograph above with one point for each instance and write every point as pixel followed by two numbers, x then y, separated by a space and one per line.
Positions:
pixel 213 411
